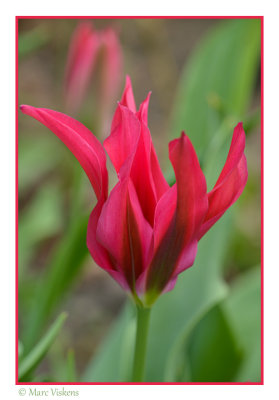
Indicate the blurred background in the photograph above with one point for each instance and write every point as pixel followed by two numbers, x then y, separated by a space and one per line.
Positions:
pixel 205 77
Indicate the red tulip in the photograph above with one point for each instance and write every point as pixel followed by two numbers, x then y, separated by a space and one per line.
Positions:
pixel 144 233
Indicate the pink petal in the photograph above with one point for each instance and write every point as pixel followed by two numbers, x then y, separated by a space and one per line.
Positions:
pixel 172 236
pixel 124 233
pixel 141 175
pixel 82 57
pixel 128 99
pixel 132 153
pixel 99 254
pixel 80 141
pixel 112 65
pixel 159 183
pixel 230 183
pixel 123 140
pixel 142 114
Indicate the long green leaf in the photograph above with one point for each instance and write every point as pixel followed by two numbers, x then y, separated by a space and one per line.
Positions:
pixel 214 354
pixel 66 264
pixel 243 310
pixel 32 359
pixel 218 81
pixel 224 346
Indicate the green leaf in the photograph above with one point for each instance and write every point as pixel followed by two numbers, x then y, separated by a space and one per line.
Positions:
pixel 37 155
pixel 31 41
pixel 71 367
pixel 243 311
pixel 114 357
pixel 214 354
pixel 42 219
pixel 218 81
pixel 32 359
pixel 59 275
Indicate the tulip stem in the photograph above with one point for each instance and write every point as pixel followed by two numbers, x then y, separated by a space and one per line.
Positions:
pixel 143 317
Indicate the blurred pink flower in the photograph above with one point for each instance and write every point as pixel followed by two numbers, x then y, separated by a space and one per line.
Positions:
pixel 144 233
pixel 87 47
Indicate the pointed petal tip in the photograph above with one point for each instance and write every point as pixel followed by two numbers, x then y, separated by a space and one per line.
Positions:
pixel 183 135
pixel 128 80
pixel 239 130
pixel 23 107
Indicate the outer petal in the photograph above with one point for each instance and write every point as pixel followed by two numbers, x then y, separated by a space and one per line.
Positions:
pixel 100 254
pixel 230 183
pixel 124 232
pixel 191 206
pixel 82 143
pixel 91 156
pixel 82 57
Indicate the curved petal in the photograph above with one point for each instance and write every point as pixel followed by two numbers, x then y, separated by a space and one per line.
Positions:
pixel 174 237
pixel 80 141
pixel 123 231
pixel 82 57
pixel 230 183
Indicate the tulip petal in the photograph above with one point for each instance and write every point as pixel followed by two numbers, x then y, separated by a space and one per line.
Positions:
pixel 82 57
pixel 142 114
pixel 159 182
pixel 112 65
pixel 124 232
pixel 128 99
pixel 132 153
pixel 230 183
pixel 122 143
pixel 99 254
pixel 171 242
pixel 80 141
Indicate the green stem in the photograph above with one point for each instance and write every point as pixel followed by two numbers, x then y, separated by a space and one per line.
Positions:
pixel 143 317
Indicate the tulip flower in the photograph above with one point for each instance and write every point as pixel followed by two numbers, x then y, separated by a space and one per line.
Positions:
pixel 145 233
pixel 87 48
pixel 82 57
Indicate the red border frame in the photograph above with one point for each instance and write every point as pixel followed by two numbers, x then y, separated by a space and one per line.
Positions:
pixel 17 18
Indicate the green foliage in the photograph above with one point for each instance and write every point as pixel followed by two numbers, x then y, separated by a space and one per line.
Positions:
pixel 41 220
pixel 32 40
pixel 28 364
pixel 71 367
pixel 64 267
pixel 214 355
pixel 37 157
pixel 243 311
pixel 218 81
